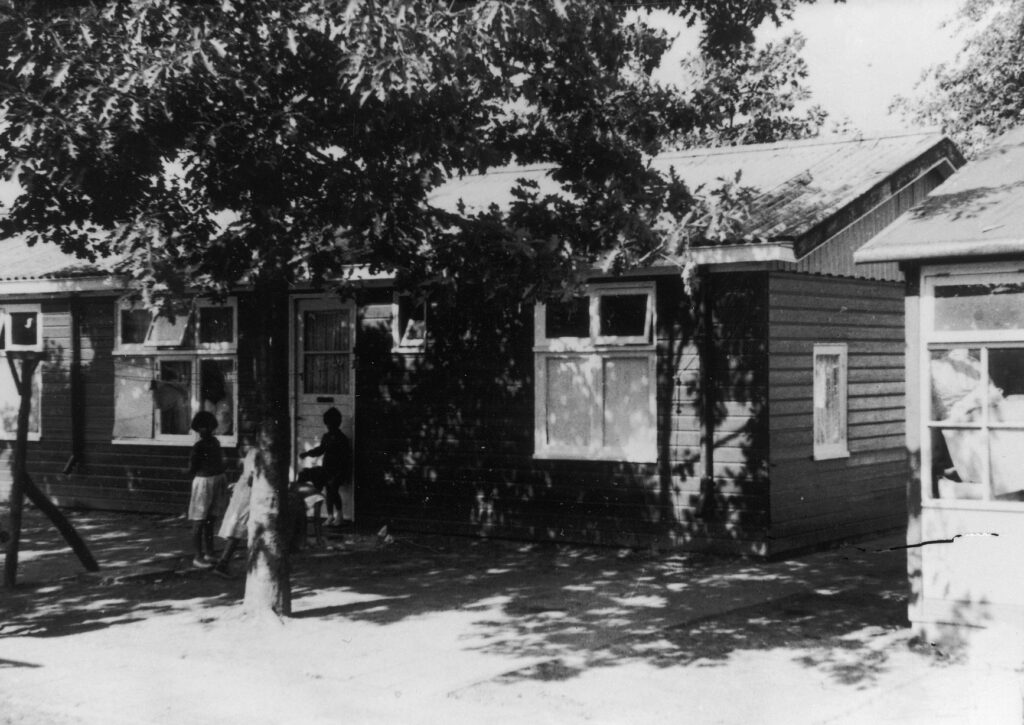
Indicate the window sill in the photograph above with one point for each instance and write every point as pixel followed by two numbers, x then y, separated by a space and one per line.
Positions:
pixel 32 437
pixel 831 456
pixel 225 442
pixel 603 456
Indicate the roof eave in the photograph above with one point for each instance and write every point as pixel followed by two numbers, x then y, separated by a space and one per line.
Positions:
pixel 940 249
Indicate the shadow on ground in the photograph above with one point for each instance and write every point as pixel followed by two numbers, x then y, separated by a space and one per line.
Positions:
pixel 570 608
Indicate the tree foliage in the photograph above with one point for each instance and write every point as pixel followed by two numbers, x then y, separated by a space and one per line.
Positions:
pixel 758 95
pixel 981 93
pixel 202 143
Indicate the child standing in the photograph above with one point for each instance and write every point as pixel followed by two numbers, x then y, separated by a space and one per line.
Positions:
pixel 234 529
pixel 206 466
pixel 337 462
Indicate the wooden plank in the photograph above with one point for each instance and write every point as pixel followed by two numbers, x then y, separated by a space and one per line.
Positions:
pixel 824 287
pixel 782 346
pixel 840 333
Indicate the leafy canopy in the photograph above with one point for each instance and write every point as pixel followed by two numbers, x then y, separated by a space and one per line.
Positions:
pixel 200 143
pixel 980 94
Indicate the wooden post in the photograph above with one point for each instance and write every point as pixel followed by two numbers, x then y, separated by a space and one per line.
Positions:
pixel 21 483
pixel 23 383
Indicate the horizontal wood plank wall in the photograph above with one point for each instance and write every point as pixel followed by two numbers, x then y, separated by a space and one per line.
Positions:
pixel 144 478
pixel 446 436
pixel 814 502
pixel 446 439
pixel 739 374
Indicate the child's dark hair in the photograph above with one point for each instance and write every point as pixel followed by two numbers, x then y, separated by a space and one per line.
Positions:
pixel 332 417
pixel 204 420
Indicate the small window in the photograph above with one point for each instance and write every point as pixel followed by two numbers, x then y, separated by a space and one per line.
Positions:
pixel 830 440
pixel 166 331
pixel 20 328
pixel 569 318
pixel 20 331
pixel 216 326
pixel 411 322
pixel 624 317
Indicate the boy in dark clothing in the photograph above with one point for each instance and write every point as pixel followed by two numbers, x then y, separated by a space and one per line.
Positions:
pixel 336 464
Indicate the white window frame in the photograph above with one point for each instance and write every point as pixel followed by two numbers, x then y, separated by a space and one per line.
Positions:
pixel 929 340
pixel 839 449
pixel 5 323
pixel 593 351
pixel 196 354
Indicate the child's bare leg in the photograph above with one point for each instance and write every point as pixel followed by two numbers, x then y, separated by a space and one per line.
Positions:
pixel 197 541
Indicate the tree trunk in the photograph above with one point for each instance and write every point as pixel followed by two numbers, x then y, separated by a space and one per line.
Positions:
pixel 268 585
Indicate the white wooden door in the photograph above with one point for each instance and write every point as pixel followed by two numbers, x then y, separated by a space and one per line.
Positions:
pixel 324 377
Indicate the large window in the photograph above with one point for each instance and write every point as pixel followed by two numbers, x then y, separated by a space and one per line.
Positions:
pixel 830 402
pixel 21 330
pixel 973 385
pixel 594 359
pixel 167 368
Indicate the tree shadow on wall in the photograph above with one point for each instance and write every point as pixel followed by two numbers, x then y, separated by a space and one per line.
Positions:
pixel 731 397
pixel 446 439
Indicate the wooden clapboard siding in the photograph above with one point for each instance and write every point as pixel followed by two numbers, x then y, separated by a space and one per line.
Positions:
pixel 812 501
pixel 451 449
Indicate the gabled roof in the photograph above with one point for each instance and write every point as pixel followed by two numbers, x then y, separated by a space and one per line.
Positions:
pixel 979 211
pixel 799 184
pixel 805 190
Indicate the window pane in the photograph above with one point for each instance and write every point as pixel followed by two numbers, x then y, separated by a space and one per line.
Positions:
pixel 325 373
pixel 326 330
pixel 628 421
pixel 992 306
pixel 956 385
pixel 622 315
pixel 217 392
pixel 570 397
pixel 172 396
pixel 166 332
pixel 570 318
pixel 10 400
pixel 1006 373
pixel 133 397
pixel 958 463
pixel 829 413
pixel 216 325
pixel 24 329
pixel 134 326
pixel 1007 461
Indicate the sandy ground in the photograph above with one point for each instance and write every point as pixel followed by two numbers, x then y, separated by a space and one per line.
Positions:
pixel 435 630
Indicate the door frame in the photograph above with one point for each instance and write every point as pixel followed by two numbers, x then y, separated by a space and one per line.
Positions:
pixel 293 374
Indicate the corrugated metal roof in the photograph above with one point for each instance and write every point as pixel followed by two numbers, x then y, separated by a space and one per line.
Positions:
pixel 19 261
pixel 798 183
pixel 979 211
